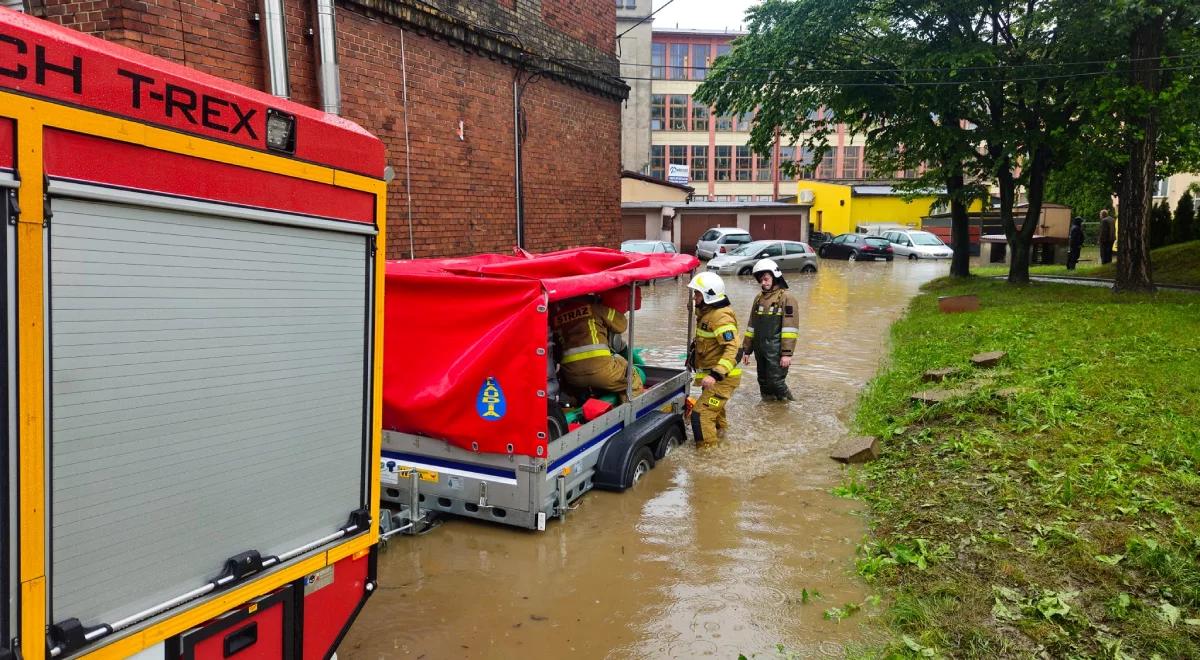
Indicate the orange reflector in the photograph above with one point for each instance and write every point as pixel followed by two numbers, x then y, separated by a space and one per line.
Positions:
pixel 361 553
pixel 566 471
pixel 252 609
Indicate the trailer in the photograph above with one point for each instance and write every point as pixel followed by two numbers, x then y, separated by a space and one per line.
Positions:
pixel 475 422
pixel 190 404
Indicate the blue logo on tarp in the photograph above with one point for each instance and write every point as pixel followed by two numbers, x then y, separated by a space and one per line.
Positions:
pixel 491 405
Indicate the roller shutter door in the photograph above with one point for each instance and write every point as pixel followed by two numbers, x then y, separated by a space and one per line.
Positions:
pixel 207 397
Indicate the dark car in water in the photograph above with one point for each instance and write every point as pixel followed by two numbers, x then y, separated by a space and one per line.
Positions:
pixel 857 247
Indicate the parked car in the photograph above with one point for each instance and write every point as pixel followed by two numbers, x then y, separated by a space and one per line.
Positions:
pixel 818 238
pixel 918 245
pixel 856 247
pixel 649 247
pixel 720 240
pixel 790 255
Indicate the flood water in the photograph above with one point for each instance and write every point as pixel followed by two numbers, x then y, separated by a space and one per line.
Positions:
pixel 708 555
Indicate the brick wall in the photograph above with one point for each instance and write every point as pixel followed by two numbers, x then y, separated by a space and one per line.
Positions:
pixel 463 195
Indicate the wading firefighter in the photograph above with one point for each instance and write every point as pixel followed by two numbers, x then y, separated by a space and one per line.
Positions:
pixel 588 331
pixel 714 356
pixel 771 331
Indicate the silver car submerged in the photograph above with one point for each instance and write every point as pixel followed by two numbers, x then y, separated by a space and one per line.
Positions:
pixel 790 255
pixel 915 244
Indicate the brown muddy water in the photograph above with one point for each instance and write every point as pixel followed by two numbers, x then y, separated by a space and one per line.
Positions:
pixel 708 555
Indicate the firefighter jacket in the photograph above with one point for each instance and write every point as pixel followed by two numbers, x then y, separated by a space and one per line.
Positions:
pixel 773 324
pixel 715 348
pixel 582 329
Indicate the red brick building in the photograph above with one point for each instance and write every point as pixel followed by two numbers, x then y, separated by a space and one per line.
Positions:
pixel 460 60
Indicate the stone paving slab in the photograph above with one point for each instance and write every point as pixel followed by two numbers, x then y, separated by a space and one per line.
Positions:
pixel 856 450
pixel 987 360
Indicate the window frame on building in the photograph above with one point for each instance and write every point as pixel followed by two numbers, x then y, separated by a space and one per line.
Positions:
pixel 677 154
pixel 762 167
pixel 724 124
pixel 743 122
pixel 678 118
pixel 851 157
pixel 698 167
pixel 786 153
pixel 658 61
pixel 727 169
pixel 658 161
pixel 700 113
pixel 700 55
pixel 658 106
pixel 678 69
pixel 743 163
pixel 827 166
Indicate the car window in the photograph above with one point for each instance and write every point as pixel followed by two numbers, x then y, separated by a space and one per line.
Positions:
pixel 877 242
pixel 670 247
pixel 840 239
pixel 773 250
pixel 737 239
pixel 794 248
pixel 923 238
pixel 709 235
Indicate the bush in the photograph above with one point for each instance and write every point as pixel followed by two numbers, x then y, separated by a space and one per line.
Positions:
pixel 1160 225
pixel 1183 228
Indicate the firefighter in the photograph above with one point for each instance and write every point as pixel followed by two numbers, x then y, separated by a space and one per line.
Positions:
pixel 771 331
pixel 587 331
pixel 714 356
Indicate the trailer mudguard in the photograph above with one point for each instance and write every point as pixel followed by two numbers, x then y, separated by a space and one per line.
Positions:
pixel 612 467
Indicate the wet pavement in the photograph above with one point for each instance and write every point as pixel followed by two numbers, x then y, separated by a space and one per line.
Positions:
pixel 709 554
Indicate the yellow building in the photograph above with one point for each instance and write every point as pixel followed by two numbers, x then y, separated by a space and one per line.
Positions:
pixel 839 208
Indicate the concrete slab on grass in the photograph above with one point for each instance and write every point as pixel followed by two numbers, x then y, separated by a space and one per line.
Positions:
pixel 856 450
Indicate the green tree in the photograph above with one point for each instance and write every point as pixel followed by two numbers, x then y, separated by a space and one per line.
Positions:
pixel 1183 225
pixel 973 89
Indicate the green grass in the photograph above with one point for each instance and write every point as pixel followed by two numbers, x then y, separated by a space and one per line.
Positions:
pixel 1063 520
pixel 1174 264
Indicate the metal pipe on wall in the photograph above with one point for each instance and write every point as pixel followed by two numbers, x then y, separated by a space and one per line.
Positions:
pixel 329 79
pixel 274 42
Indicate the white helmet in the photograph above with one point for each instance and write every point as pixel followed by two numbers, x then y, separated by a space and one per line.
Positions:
pixel 767 266
pixel 710 285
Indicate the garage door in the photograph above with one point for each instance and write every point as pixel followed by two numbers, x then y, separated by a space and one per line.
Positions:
pixel 208 396
pixel 776 227
pixel 633 227
pixel 693 225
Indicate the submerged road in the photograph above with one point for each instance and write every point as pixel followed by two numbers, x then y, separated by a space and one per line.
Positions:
pixel 708 555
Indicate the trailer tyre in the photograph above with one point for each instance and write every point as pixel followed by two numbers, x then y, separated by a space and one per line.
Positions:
pixel 642 463
pixel 671 439
pixel 556 421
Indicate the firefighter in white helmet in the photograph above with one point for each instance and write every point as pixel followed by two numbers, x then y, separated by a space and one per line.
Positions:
pixel 714 356
pixel 771 331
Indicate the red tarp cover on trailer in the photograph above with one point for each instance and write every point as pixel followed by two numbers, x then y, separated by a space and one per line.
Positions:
pixel 465 339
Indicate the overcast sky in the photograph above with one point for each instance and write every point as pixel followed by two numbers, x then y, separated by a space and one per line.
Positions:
pixel 702 14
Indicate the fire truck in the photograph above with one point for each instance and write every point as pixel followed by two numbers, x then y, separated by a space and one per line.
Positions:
pixel 191 394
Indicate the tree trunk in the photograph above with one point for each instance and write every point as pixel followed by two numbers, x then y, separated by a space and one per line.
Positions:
pixel 960 227
pixel 1133 234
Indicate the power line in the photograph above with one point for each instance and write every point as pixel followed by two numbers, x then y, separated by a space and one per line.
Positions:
pixel 644 19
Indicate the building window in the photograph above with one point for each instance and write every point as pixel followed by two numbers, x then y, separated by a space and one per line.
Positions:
pixel 723 163
pixel 814 115
pixel 825 169
pixel 678 112
pixel 721 198
pixel 658 112
pixel 850 158
pixel 658 161
pixel 745 161
pixel 658 58
pixel 762 168
pixel 679 56
pixel 724 124
pixel 762 198
pixel 786 154
pixel 700 62
pixel 700 163
pixel 723 49
pixel 1160 188
pixel 868 173
pixel 699 117
pixel 678 155
pixel 806 160
pixel 743 122
pixel 744 198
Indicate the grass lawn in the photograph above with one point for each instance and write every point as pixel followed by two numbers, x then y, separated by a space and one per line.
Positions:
pixel 1174 264
pixel 1062 520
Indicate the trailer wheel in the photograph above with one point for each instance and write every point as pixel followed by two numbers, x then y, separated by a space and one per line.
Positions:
pixel 556 421
pixel 671 439
pixel 642 463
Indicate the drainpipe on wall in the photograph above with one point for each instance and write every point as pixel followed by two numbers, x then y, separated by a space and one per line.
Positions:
pixel 329 82
pixel 274 43
pixel 518 88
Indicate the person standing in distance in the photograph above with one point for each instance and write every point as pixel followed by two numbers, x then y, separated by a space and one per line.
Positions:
pixel 714 357
pixel 771 331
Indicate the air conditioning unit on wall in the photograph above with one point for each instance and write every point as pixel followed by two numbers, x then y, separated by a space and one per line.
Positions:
pixel 806 197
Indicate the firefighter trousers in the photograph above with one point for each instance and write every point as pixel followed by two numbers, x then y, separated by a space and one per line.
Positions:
pixel 708 416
